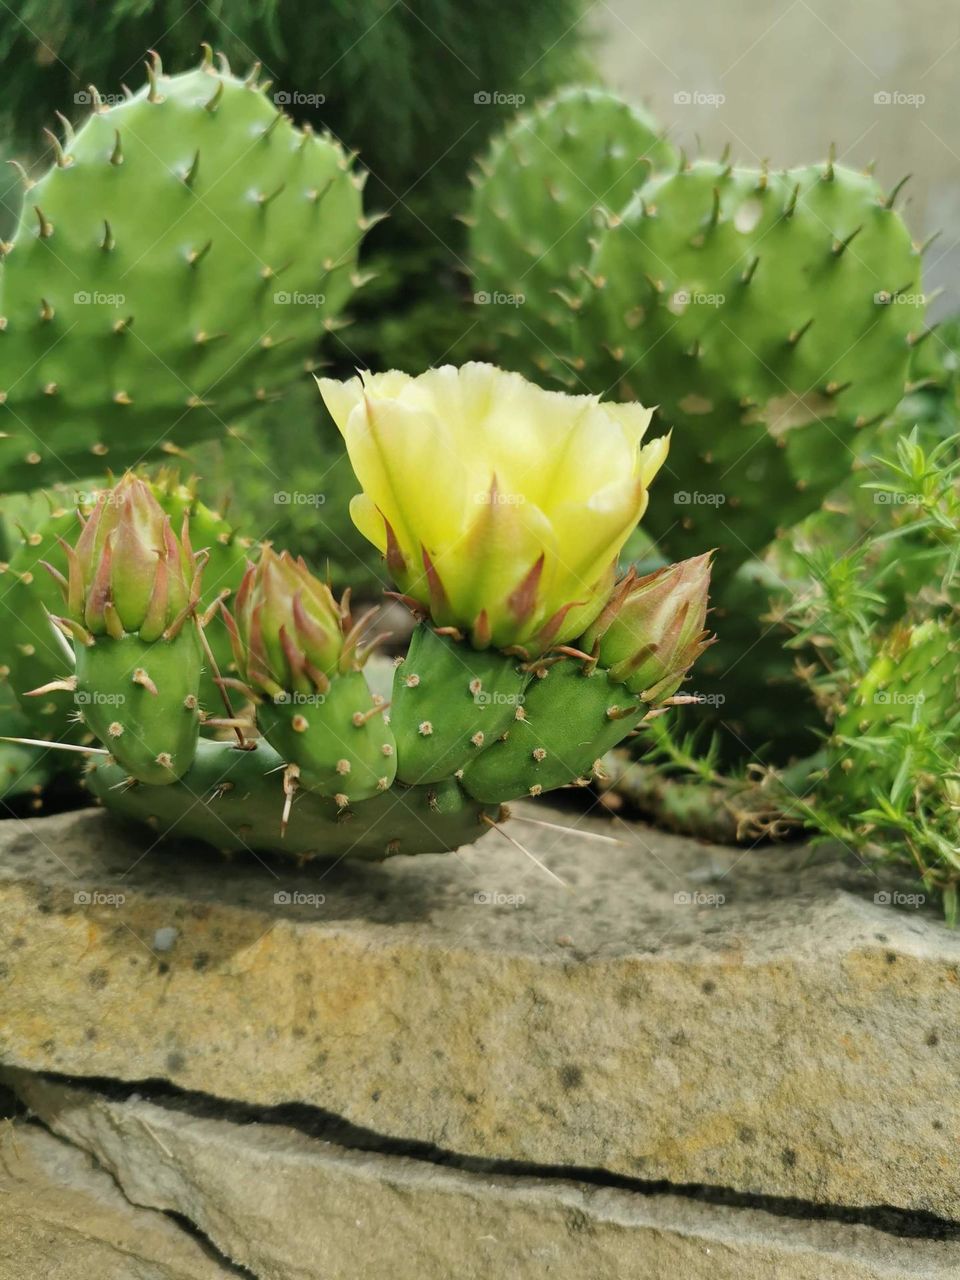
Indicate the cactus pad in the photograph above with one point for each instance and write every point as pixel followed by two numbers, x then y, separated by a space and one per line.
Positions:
pixel 533 213
pixel 770 315
pixel 175 267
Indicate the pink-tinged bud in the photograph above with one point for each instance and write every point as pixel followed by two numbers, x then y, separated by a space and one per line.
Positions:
pixel 652 629
pixel 287 628
pixel 129 572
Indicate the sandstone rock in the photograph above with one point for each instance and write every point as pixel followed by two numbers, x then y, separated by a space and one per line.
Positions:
pixel 62 1217
pixel 288 1207
pixel 797 1038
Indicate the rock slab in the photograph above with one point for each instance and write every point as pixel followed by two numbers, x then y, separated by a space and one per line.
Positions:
pixel 659 1008
pixel 62 1217
pixel 285 1206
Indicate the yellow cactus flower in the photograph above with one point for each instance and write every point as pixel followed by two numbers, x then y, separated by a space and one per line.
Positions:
pixel 500 507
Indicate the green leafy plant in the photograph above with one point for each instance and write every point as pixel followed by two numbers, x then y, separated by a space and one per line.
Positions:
pixel 888 687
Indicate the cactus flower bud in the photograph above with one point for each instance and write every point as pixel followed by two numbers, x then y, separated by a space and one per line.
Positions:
pixel 289 628
pixel 131 586
pixel 652 629
pixel 501 508
pixel 129 572
pixel 294 643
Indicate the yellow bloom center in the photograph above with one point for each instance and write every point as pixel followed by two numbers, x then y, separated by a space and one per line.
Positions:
pixel 500 507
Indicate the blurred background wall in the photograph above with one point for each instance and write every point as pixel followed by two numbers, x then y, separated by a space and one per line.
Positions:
pixel 785 78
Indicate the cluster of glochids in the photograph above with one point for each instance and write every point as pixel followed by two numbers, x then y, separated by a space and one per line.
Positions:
pixel 528 661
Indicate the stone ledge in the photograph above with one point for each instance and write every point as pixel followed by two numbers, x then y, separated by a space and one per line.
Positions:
pixel 285 1206
pixel 799 1040
pixel 62 1217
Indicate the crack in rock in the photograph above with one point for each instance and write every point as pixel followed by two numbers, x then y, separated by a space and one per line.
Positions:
pixel 323 1126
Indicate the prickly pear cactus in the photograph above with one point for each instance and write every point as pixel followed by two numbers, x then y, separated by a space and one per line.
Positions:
pixel 536 197
pixel 175 267
pixel 519 676
pixel 771 316
pixel 37 654
pixel 232 799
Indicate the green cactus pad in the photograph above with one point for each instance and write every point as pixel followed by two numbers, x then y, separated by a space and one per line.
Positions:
pixel 570 720
pixel 33 650
pixel 769 316
pixel 449 701
pixel 140 700
pixel 176 267
pixel 233 800
pixel 533 214
pixel 338 740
